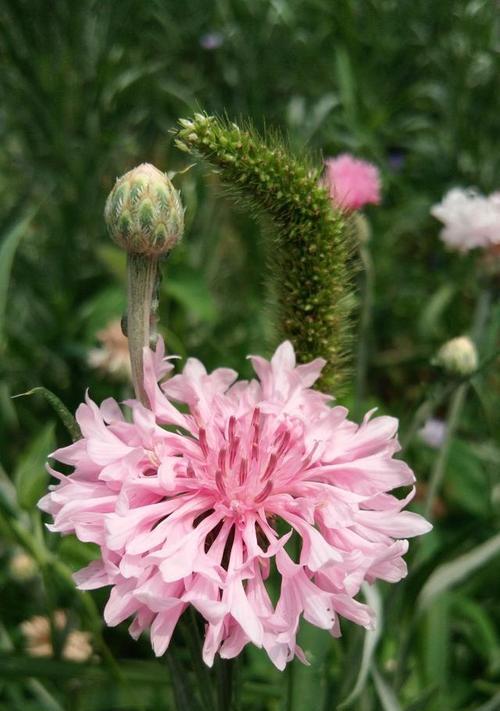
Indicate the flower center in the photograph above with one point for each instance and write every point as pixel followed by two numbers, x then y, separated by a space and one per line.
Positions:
pixel 242 462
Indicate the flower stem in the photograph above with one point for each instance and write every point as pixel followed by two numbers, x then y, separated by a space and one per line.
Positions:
pixel 225 682
pixel 423 412
pixel 142 272
pixel 457 402
pixel 454 412
pixel 364 325
pixel 200 669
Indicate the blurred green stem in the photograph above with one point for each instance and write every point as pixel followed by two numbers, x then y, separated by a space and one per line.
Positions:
pixel 423 412
pixel 454 412
pixel 200 669
pixel 183 696
pixel 227 699
pixel 364 325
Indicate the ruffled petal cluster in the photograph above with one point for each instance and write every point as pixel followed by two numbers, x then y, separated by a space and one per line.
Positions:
pixel 352 183
pixel 470 219
pixel 203 504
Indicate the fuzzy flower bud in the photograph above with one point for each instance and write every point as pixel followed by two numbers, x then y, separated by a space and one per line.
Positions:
pixel 458 356
pixel 352 183
pixel 144 212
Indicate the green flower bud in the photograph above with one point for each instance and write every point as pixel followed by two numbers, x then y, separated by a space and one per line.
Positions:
pixel 144 212
pixel 458 356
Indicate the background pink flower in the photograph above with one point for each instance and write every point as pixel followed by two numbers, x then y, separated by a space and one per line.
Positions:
pixel 470 219
pixel 194 514
pixel 352 183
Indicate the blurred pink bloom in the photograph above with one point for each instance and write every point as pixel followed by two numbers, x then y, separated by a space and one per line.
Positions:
pixel 77 645
pixel 433 433
pixel 352 183
pixel 470 219
pixel 195 514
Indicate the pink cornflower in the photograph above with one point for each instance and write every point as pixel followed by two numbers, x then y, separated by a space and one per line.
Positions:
pixel 197 508
pixel 352 183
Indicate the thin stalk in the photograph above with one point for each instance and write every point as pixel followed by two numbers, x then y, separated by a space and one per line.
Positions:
pixel 290 685
pixel 200 669
pixel 454 412
pixel 364 325
pixel 224 671
pixel 423 412
pixel 142 272
pixel 457 402
pixel 47 581
pixel 184 701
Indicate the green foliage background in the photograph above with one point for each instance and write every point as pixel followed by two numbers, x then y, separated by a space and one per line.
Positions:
pixel 87 90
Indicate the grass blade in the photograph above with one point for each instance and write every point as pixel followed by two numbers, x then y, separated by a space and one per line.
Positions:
pixel 448 575
pixel 8 247
pixel 371 640
pixel 385 694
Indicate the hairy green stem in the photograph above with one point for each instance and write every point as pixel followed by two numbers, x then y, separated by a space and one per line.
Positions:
pixel 310 256
pixel 142 272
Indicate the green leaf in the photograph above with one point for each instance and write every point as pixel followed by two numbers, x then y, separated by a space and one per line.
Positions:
pixel 386 695
pixel 435 634
pixel 136 672
pixel 346 82
pixel 190 291
pixel 44 697
pixel 430 319
pixel 492 705
pixel 448 575
pixel 105 306
pixel 114 259
pixel 307 684
pixel 373 599
pixel 8 248
pixel 60 409
pixel 31 476
pixel 479 628
pixel 466 483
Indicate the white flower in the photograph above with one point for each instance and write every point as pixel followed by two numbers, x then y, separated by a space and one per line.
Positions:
pixel 458 356
pixel 470 219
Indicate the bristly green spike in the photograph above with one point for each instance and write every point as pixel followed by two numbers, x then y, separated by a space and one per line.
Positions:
pixel 311 261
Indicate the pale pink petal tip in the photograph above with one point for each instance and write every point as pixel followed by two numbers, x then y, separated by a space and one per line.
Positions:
pixel 352 183
pixel 183 503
